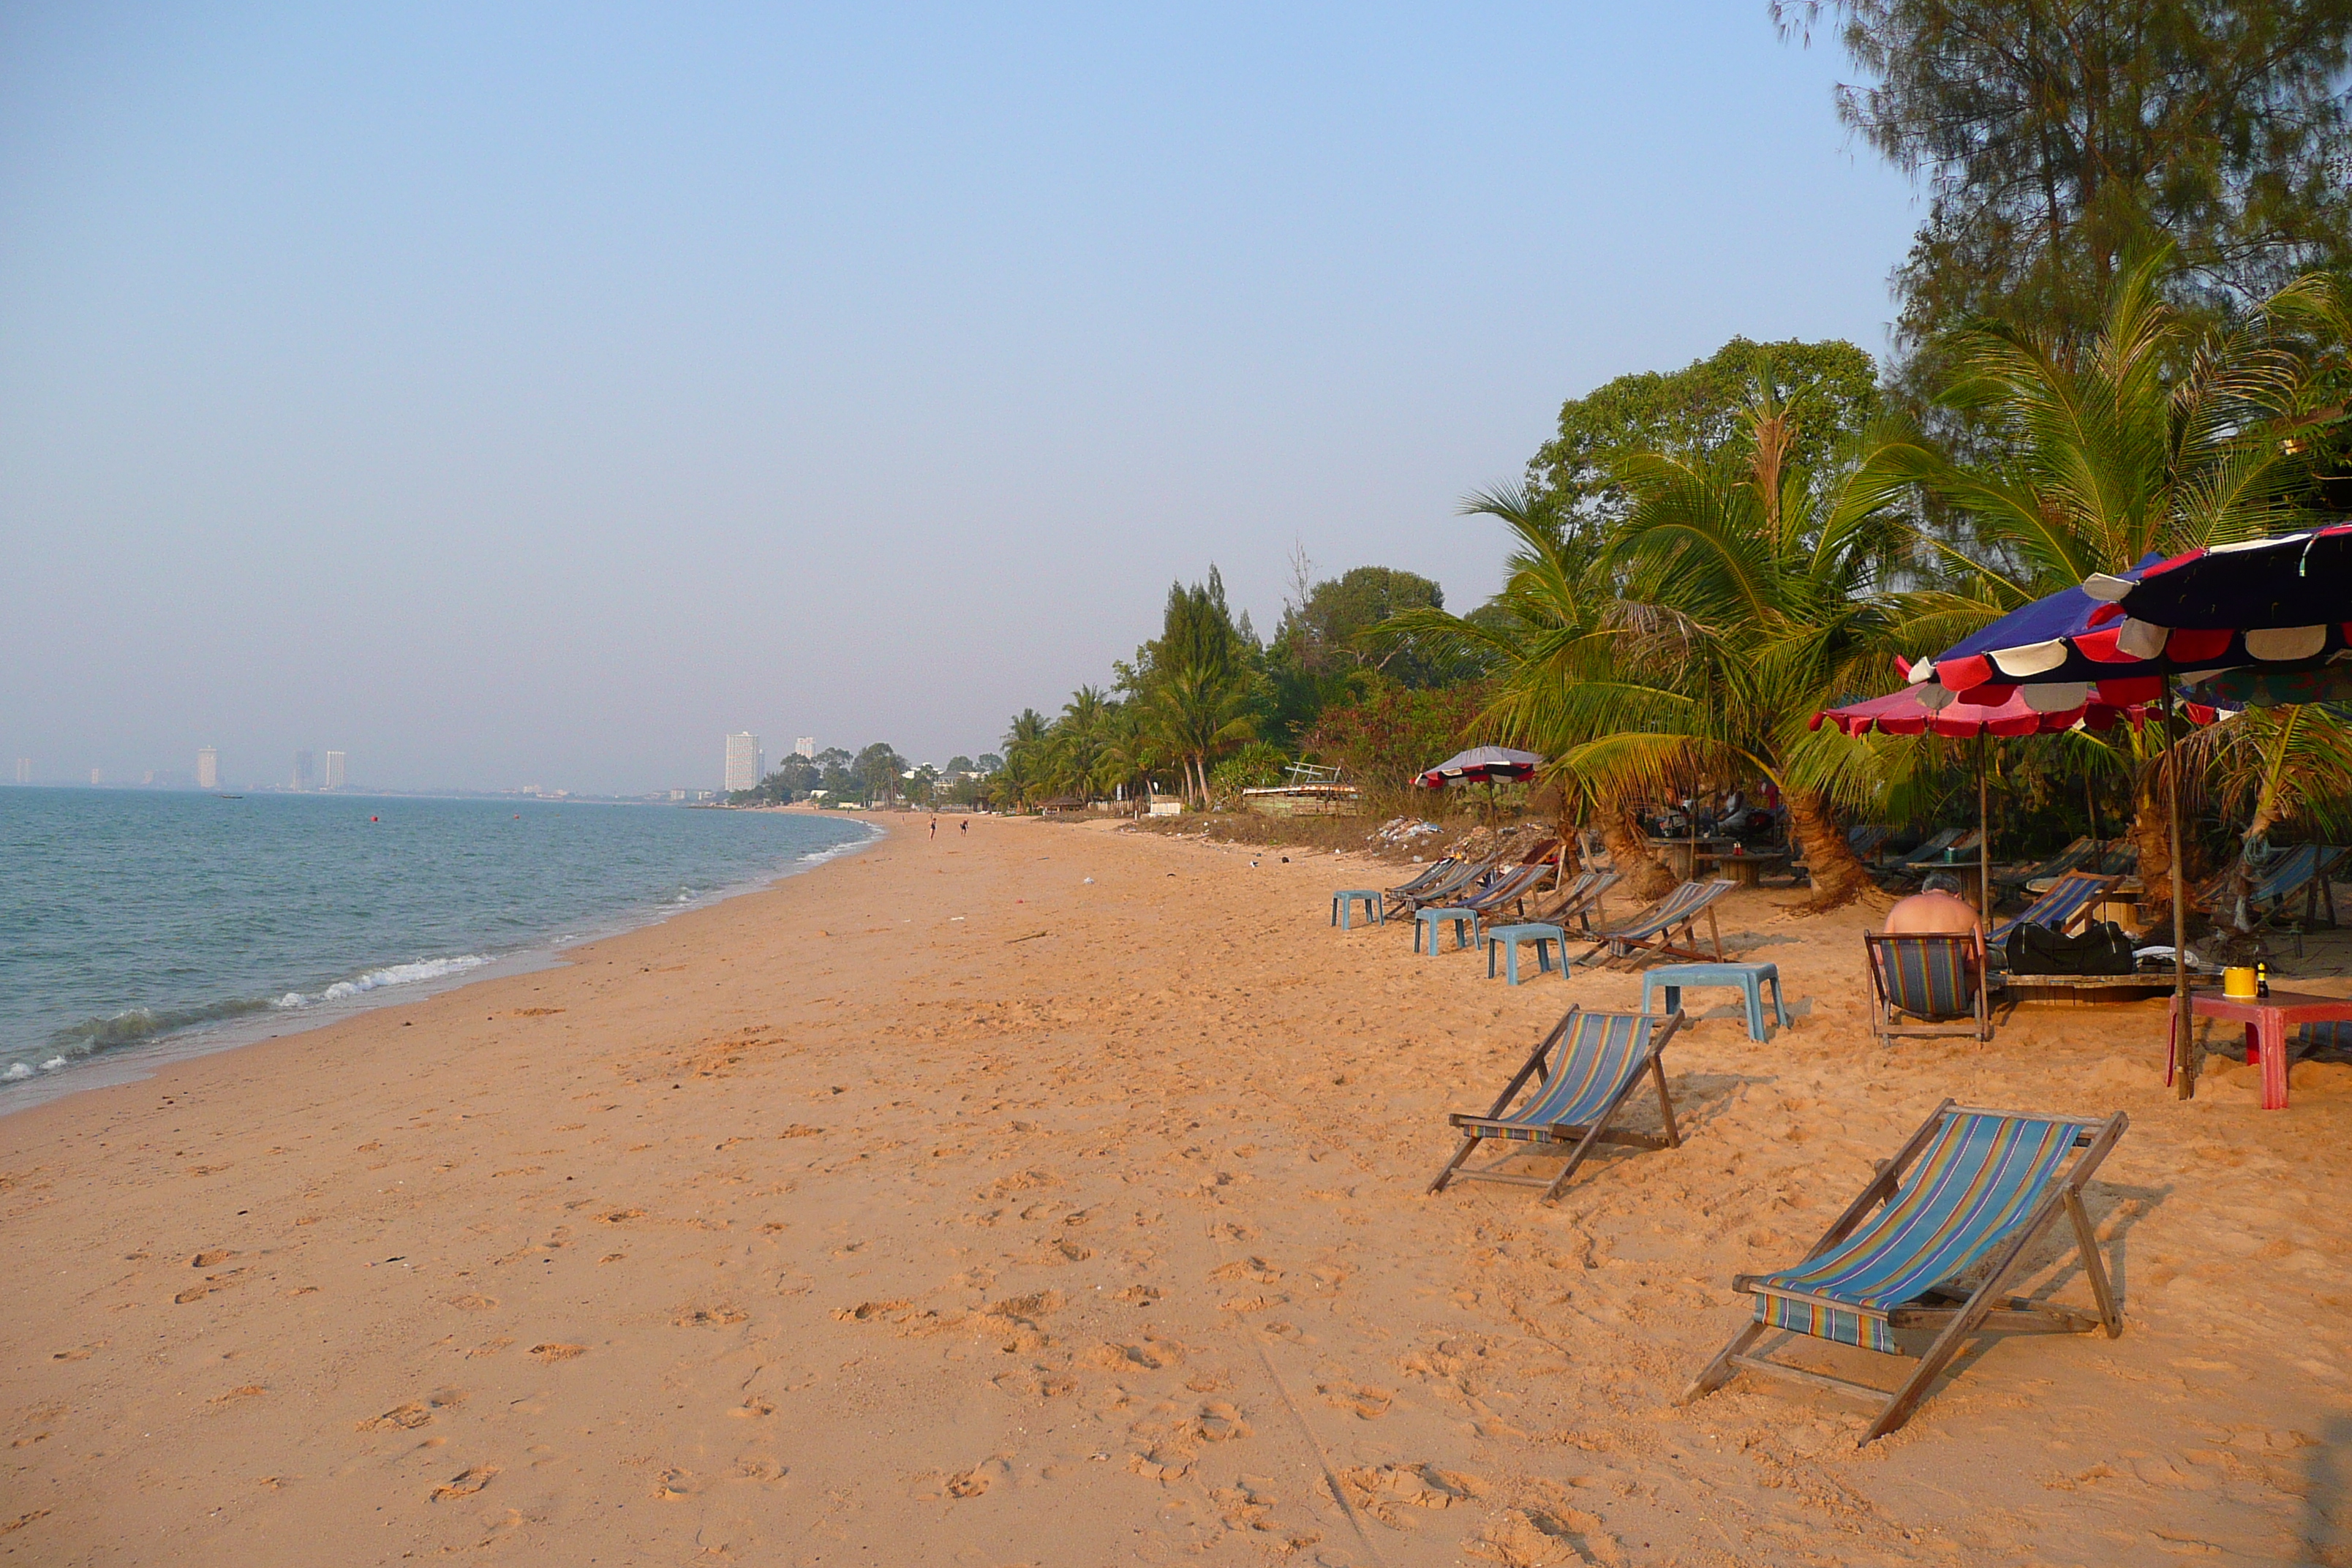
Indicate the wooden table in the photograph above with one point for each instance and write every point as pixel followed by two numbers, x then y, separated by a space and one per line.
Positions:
pixel 1679 858
pixel 2267 1020
pixel 1747 871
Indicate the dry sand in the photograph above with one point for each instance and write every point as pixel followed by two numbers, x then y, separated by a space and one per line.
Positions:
pixel 941 1205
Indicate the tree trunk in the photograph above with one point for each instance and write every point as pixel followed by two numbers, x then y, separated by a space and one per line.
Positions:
pixel 2151 836
pixel 1838 875
pixel 1644 878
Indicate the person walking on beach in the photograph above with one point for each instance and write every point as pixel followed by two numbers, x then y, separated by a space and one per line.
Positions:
pixel 965 826
pixel 935 828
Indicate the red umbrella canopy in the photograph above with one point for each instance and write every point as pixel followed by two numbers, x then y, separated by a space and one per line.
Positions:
pixel 1913 712
pixel 1481 765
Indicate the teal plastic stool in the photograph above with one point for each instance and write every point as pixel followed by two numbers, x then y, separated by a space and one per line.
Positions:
pixel 1750 977
pixel 1507 938
pixel 1464 921
pixel 1343 905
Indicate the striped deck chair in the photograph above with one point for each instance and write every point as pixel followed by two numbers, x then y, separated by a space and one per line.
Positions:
pixel 1931 850
pixel 1935 979
pixel 1465 876
pixel 1652 936
pixel 1961 848
pixel 2068 860
pixel 1866 842
pixel 1508 888
pixel 1430 875
pixel 1982 1187
pixel 2062 909
pixel 2120 860
pixel 2306 869
pixel 1596 1060
pixel 1580 901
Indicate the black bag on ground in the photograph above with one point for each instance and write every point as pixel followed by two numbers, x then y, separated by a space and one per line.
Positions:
pixel 2101 949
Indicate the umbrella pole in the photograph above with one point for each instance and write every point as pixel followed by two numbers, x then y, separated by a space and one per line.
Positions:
pixel 1984 835
pixel 2184 1067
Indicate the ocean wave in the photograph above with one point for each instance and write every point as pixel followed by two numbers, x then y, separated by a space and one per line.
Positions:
pixel 391 974
pixel 136 1023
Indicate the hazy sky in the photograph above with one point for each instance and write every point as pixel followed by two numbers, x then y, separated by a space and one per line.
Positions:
pixel 515 395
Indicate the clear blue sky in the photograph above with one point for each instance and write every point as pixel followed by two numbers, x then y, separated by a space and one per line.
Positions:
pixel 512 394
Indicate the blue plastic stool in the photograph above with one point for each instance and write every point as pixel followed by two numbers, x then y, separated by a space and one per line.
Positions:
pixel 1343 906
pixel 1749 977
pixel 1509 938
pixel 1463 920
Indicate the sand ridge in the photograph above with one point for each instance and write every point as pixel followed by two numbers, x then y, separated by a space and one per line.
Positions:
pixel 1048 1194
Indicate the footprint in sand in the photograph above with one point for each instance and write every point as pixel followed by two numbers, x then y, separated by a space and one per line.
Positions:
pixel 465 1483
pixel 552 1351
pixel 1365 1400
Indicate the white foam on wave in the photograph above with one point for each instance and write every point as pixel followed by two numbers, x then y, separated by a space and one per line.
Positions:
pixel 16 1071
pixel 391 974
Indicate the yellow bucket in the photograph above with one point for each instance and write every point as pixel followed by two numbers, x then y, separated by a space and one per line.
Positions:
pixel 2237 982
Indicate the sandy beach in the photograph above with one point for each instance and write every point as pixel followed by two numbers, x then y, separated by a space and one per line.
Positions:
pixel 1055 1194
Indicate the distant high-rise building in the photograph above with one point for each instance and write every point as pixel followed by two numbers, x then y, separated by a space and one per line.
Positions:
pixel 744 761
pixel 207 768
pixel 805 747
pixel 334 769
pixel 96 778
pixel 25 770
pixel 301 770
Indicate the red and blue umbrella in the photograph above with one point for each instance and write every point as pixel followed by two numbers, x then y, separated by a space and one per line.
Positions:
pixel 2074 646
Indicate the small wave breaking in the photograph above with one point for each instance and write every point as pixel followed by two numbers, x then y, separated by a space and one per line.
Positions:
pixel 391 974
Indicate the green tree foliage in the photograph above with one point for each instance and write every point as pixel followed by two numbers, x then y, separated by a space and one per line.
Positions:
pixel 1322 632
pixel 1577 477
pixel 1256 764
pixel 1392 735
pixel 877 770
pixel 2058 137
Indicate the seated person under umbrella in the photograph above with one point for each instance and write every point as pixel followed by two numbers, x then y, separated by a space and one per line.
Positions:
pixel 1936 907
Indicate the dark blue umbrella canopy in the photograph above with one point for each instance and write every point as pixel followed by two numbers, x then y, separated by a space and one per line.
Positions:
pixel 2297 580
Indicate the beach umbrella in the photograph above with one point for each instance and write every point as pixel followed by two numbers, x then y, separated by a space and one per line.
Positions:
pixel 2073 646
pixel 2292 582
pixel 1481 765
pixel 2283 600
pixel 1910 711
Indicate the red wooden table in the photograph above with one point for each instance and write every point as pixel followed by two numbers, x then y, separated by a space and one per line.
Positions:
pixel 2267 1019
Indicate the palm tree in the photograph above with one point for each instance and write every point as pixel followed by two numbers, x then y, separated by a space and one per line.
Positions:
pixel 1194 712
pixel 2274 765
pixel 1758 594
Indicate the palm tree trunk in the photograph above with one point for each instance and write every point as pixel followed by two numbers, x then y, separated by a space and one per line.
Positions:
pixel 1645 876
pixel 1838 875
pixel 2150 834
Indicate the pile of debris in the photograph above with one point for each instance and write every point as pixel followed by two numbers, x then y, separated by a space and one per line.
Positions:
pixel 1514 843
pixel 1402 833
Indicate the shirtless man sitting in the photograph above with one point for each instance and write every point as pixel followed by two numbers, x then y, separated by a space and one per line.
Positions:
pixel 1936 907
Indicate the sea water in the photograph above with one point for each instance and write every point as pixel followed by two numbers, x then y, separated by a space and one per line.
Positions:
pixel 136 925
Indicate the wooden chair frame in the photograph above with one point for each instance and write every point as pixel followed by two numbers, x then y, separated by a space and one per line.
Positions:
pixel 1957 1316
pixel 1476 1129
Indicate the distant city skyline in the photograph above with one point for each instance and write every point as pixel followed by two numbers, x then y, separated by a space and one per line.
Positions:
pixel 207 768
pixel 335 764
pixel 805 746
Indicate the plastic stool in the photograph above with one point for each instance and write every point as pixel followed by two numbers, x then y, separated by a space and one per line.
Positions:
pixel 1429 920
pixel 1507 938
pixel 1343 905
pixel 1749 977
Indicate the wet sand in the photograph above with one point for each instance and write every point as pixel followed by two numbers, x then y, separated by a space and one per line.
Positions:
pixel 941 1205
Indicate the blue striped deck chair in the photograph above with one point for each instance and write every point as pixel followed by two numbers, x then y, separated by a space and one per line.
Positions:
pixel 2070 859
pixel 1866 841
pixel 1919 864
pixel 1465 876
pixel 2306 869
pixel 1933 849
pixel 1652 936
pixel 2062 909
pixel 1438 871
pixel 2120 860
pixel 1580 901
pixel 1935 979
pixel 1595 1061
pixel 1511 887
pixel 1971 1187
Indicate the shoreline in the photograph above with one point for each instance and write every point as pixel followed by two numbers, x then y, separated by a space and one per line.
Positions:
pixel 137 1061
pixel 1058 1197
